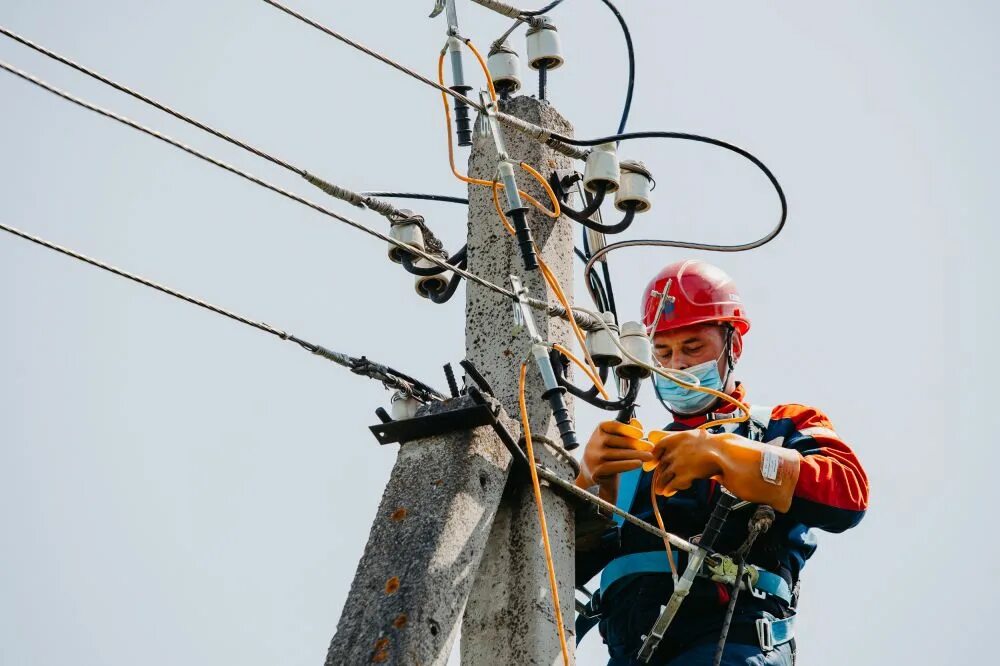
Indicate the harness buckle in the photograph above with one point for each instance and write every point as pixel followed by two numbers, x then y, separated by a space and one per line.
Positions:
pixel 764 634
pixel 751 584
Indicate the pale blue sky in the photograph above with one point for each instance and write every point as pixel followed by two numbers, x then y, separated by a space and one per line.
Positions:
pixel 178 489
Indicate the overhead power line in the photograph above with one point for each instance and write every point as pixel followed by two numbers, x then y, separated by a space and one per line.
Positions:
pixel 555 310
pixel 361 366
pixel 531 130
pixel 333 190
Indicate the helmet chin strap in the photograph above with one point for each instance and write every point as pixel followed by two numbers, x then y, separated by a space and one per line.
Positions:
pixel 730 366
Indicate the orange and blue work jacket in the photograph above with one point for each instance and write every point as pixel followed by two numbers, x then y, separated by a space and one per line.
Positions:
pixel 831 494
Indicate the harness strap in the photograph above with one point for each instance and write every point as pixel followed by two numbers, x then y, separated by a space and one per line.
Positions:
pixel 655 561
pixel 772 632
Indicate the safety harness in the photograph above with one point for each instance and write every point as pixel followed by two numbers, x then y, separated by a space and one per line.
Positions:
pixel 771 631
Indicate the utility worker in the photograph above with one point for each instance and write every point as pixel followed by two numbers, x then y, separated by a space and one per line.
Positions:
pixel 787 456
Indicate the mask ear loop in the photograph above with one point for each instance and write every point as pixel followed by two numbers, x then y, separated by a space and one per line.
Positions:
pixel 730 366
pixel 730 356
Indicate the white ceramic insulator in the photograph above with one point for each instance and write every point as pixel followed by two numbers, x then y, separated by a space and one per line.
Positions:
pixel 505 68
pixel 424 284
pixel 601 343
pixel 411 234
pixel 543 46
pixel 402 406
pixel 602 167
pixel 634 339
pixel 635 186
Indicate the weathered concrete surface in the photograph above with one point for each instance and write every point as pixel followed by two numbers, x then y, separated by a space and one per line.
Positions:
pixel 425 547
pixel 509 618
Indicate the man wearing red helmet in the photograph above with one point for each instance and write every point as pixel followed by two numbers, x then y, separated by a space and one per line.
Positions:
pixel 787 456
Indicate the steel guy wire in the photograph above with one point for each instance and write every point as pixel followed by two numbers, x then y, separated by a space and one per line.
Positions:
pixel 554 310
pixel 362 366
pixel 336 191
pixel 536 132
pixel 375 54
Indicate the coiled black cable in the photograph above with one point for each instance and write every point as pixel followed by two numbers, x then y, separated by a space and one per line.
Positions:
pixel 630 210
pixel 457 259
pixel 584 215
pixel 445 295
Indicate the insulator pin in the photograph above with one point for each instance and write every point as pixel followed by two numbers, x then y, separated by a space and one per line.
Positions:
pixel 602 169
pixel 601 343
pixel 543 46
pixel 427 284
pixel 638 344
pixel 505 68
pixel 407 232
pixel 636 184
pixel 403 406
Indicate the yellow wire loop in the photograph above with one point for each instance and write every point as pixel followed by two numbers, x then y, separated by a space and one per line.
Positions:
pixel 537 488
pixel 553 213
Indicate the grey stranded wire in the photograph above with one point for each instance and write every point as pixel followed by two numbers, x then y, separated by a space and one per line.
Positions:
pixel 362 366
pixel 342 193
pixel 535 132
pixel 585 321
pixel 388 376
pixel 152 102
pixel 417 195
pixel 375 54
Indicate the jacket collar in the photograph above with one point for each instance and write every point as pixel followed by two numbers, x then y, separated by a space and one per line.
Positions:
pixel 726 408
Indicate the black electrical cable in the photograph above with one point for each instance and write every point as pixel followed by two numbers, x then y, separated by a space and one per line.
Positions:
pixel 616 228
pixel 709 247
pixel 407 260
pixel 609 293
pixel 543 69
pixel 417 195
pixel 547 8
pixel 590 396
pixel 626 110
pixel 590 208
pixel 594 285
pixel 631 65
pixel 608 405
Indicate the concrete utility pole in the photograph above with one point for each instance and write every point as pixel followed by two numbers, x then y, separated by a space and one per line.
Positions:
pixel 509 618
pixel 426 542
pixel 452 529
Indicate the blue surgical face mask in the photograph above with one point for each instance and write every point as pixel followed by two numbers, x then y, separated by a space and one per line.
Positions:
pixel 688 401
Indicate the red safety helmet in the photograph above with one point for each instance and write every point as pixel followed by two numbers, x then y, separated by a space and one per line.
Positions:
pixel 699 293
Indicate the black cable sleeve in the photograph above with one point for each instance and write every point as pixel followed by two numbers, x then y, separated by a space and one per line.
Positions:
pixel 524 239
pixel 564 423
pixel 583 215
pixel 617 228
pixel 463 124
